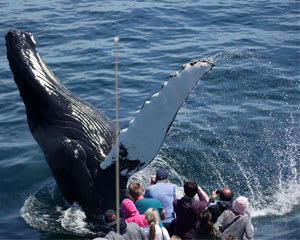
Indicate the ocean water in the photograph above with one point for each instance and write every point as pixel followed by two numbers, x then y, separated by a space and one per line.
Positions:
pixel 240 127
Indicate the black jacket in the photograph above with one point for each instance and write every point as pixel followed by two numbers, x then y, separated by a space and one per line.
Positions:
pixel 216 209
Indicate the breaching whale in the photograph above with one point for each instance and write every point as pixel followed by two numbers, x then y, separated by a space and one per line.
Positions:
pixel 78 141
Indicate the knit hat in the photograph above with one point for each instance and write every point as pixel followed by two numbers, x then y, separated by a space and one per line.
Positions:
pixel 162 174
pixel 240 205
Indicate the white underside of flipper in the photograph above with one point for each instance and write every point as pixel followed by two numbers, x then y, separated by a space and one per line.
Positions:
pixel 141 141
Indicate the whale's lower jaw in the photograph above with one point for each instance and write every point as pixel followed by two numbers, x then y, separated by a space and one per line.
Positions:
pixel 77 140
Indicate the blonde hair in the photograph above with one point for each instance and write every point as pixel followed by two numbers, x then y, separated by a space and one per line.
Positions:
pixel 152 219
pixel 175 237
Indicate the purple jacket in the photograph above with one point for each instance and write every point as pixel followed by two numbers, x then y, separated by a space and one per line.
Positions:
pixel 186 214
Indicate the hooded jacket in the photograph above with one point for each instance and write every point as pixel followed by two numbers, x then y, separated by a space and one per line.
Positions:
pixel 131 214
pixel 216 209
pixel 186 210
pixel 239 228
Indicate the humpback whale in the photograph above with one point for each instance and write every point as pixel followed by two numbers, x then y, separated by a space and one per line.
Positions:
pixel 78 141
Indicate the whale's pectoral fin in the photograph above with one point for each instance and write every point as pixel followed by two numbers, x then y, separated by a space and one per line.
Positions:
pixel 67 161
pixel 141 141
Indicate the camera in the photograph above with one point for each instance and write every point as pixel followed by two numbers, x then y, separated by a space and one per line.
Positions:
pixel 218 191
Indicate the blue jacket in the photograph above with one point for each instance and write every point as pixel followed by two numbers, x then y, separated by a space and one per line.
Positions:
pixel 165 193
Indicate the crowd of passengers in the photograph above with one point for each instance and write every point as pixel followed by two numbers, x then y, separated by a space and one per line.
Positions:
pixel 159 215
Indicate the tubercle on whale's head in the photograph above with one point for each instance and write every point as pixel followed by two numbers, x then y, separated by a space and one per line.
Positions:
pixel 17 43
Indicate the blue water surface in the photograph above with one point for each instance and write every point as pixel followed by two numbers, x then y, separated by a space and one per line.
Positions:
pixel 240 127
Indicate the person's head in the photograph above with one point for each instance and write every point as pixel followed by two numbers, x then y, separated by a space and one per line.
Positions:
pixel 152 219
pixel 135 190
pixel 225 194
pixel 175 237
pixel 152 216
pixel 240 205
pixel 110 217
pixel 204 218
pixel 161 175
pixel 128 208
pixel 111 220
pixel 190 188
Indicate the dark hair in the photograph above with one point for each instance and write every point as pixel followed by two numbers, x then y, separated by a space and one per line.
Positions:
pixel 190 188
pixel 204 217
pixel 135 190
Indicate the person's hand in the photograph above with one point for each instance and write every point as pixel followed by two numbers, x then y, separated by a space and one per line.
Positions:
pixel 214 194
pixel 153 178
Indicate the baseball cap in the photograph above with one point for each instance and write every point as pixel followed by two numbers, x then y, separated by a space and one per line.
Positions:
pixel 162 174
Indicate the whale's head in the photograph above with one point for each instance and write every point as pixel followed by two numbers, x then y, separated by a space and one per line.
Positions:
pixel 52 109
pixel 38 86
pixel 18 45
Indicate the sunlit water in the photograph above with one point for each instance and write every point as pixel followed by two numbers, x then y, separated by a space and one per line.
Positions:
pixel 239 127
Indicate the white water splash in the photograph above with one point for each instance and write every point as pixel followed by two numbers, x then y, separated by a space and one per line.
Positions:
pixel 286 192
pixel 46 210
pixel 74 220
pixel 283 201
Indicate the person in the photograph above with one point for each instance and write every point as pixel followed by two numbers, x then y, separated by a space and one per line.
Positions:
pixel 187 208
pixel 142 204
pixel 165 193
pixel 153 231
pixel 236 221
pixel 205 228
pixel 131 214
pixel 224 203
pixel 128 231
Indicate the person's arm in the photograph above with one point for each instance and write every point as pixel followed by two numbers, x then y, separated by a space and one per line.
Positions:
pixel 203 193
pixel 147 193
pixel 174 192
pixel 162 214
pixel 220 221
pixel 165 233
pixel 202 199
pixel 249 231
pixel 175 207
pixel 161 209
pixel 153 180
pixel 212 197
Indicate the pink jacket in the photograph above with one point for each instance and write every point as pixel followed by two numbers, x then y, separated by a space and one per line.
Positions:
pixel 132 214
